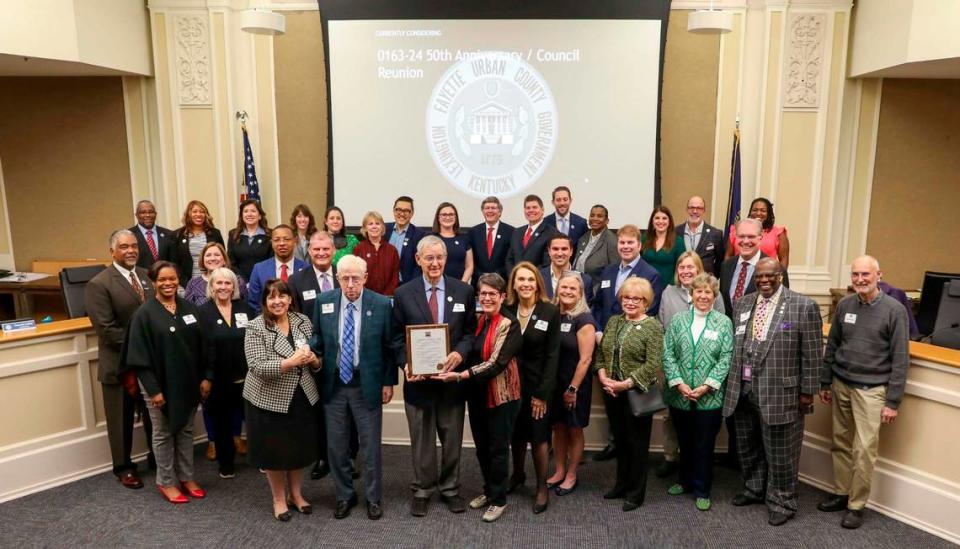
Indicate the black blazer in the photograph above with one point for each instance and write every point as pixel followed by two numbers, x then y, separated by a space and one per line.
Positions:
pixel 409 269
pixel 540 354
pixel 306 289
pixel 181 252
pixel 726 281
pixel 578 226
pixel 410 308
pixel 710 248
pixel 536 250
pixel 165 244
pixel 225 355
pixel 244 254
pixel 501 244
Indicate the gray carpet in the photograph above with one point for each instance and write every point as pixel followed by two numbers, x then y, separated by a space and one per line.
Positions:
pixel 98 512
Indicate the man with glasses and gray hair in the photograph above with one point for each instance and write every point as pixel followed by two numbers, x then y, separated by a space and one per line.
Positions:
pixel 701 237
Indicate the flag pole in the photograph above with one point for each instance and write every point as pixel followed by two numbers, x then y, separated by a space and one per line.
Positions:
pixel 242 117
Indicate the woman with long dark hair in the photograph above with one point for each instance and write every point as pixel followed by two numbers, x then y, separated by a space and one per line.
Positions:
pixel 249 242
pixel 660 245
pixel 335 224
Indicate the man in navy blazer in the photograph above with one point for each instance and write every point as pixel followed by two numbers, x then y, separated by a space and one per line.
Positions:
pixel 282 265
pixel 529 242
pixel 319 277
pixel 565 221
pixel 147 227
pixel 433 407
pixel 404 236
pixel 490 240
pixel 560 249
pixel 701 237
pixel 356 380
pixel 606 303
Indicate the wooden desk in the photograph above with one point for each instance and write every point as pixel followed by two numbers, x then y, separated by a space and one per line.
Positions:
pixel 23 294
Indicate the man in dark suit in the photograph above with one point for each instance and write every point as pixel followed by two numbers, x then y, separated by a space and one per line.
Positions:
pixel 736 273
pixel 433 407
pixel 404 236
pixel 701 237
pixel 355 384
pixel 606 303
pixel 560 249
pixel 565 221
pixel 529 243
pixel 307 285
pixel 282 265
pixel 490 240
pixel 154 241
pixel 774 373
pixel 111 298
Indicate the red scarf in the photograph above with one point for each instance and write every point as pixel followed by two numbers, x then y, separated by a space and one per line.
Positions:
pixel 506 386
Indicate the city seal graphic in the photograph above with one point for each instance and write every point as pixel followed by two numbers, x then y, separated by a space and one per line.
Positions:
pixel 492 124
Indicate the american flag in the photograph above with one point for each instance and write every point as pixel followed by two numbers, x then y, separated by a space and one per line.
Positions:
pixel 251 186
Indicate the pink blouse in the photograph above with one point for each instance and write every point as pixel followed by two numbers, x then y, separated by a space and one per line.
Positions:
pixel 769 245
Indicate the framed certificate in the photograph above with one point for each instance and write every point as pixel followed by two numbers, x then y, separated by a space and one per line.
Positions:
pixel 427 348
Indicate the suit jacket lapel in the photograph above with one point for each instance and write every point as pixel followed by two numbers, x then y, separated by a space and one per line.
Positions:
pixel 420 298
pixel 447 299
pixel 125 283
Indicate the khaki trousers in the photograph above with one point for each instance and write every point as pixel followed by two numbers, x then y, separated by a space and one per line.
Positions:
pixel 856 437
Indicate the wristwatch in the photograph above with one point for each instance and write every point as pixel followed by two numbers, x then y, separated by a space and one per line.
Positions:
pixel 571 389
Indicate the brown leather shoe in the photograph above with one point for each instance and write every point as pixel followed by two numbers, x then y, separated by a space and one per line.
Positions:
pixel 211 452
pixel 129 479
pixel 241 446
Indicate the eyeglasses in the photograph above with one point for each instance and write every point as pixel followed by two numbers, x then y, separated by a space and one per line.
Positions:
pixel 433 258
pixel 695 208
pixel 406 211
pixel 633 299
pixel 489 294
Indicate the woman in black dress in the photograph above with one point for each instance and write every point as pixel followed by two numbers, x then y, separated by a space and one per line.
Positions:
pixel 446 225
pixel 249 241
pixel 224 318
pixel 280 394
pixel 570 412
pixel 165 348
pixel 540 324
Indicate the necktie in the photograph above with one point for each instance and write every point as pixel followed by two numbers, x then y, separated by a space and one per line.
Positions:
pixel 326 286
pixel 347 346
pixel 759 319
pixel 489 242
pixel 563 227
pixel 283 272
pixel 741 281
pixel 136 287
pixel 152 245
pixel 526 236
pixel 434 306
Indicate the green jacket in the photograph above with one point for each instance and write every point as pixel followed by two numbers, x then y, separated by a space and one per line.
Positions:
pixel 638 347
pixel 705 362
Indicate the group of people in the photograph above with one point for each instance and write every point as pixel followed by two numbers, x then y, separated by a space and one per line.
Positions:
pixel 301 332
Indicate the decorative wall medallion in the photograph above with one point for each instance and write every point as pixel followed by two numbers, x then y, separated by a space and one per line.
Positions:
pixel 193 59
pixel 804 60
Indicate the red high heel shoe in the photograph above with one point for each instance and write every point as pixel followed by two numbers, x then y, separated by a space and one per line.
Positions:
pixel 199 493
pixel 179 498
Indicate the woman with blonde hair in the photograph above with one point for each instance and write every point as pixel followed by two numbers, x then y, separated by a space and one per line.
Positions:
pixel 383 261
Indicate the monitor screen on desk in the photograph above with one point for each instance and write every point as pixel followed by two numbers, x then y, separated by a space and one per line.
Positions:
pixel 930 297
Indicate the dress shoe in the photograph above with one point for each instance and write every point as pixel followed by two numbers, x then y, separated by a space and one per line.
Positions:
pixel 666 468
pixel 343 508
pixel 744 498
pixel 196 493
pixel 211 452
pixel 552 485
pixel 304 510
pixel 616 493
pixel 374 511
pixel 454 503
pixel 609 452
pixel 516 481
pixel 320 470
pixel 240 445
pixel 284 516
pixel 493 513
pixel 561 491
pixel 540 507
pixel 630 505
pixel 834 504
pixel 129 479
pixel 179 498
pixel 778 519
pixel 853 519
pixel 418 507
pixel 479 502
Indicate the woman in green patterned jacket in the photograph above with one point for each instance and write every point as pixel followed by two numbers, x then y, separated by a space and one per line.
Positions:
pixel 697 349
pixel 629 356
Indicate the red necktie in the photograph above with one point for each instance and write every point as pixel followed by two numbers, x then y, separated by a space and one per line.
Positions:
pixel 152 245
pixel 434 306
pixel 489 242
pixel 526 236
pixel 283 272
pixel 741 281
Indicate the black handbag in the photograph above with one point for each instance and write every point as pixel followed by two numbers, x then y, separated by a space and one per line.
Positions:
pixel 645 403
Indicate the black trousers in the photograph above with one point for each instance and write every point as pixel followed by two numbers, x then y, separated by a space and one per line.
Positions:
pixel 697 433
pixel 631 435
pixel 492 430
pixel 120 408
pixel 224 401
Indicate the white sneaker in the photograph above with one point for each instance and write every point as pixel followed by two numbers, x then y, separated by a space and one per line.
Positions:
pixel 478 502
pixel 493 513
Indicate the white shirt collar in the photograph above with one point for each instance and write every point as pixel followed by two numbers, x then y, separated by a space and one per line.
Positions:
pixel 752 261
pixel 533 228
pixel 495 226
pixel 289 265
pixel 124 271
pixel 690 231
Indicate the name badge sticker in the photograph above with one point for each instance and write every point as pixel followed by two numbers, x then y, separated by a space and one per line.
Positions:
pixel 299 342
pixel 565 327
pixel 189 319
pixel 459 308
pixel 850 318
pixel 310 294
pixel 542 325
pixel 240 319
pixel 710 334
pixel 744 317
pixel 326 308
pixel 605 284
pixel 741 329
pixel 709 247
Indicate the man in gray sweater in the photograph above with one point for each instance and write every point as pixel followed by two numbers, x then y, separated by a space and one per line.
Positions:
pixel 864 375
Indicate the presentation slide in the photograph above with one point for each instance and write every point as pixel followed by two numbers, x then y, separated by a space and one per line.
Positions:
pixel 458 110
